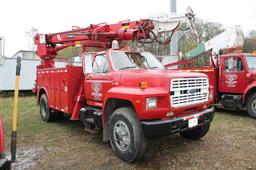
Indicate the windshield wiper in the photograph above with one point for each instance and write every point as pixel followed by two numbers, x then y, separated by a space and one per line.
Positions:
pixel 153 67
pixel 127 67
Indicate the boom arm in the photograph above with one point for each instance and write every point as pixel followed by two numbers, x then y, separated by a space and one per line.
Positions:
pixel 230 39
pixel 102 35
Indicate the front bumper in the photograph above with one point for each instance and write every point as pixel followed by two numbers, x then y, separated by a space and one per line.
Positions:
pixel 158 128
pixel 5 164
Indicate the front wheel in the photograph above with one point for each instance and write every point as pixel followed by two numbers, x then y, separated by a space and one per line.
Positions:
pixel 251 105
pixel 126 135
pixel 196 133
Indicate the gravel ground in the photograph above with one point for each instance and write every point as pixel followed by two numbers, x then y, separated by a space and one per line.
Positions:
pixel 230 144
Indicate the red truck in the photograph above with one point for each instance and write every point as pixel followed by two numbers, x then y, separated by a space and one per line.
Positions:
pixel 127 94
pixel 5 164
pixel 232 75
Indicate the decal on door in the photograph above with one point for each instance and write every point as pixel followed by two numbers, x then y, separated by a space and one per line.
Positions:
pixel 97 90
pixel 231 80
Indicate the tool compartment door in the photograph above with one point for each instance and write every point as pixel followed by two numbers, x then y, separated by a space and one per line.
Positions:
pixel 57 89
pixel 74 76
pixel 64 91
pixel 50 75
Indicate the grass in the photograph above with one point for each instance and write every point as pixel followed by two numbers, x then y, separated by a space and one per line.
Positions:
pixel 30 128
pixel 231 142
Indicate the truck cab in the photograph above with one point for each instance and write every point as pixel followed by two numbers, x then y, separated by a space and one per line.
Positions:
pixel 237 85
pixel 231 75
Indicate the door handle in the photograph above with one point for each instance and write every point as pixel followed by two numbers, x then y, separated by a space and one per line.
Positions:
pixel 89 77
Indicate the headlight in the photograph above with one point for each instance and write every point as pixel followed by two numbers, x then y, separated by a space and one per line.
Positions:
pixel 151 103
pixel 211 94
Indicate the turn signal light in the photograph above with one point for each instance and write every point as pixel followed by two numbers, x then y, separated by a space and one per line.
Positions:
pixel 77 44
pixel 143 85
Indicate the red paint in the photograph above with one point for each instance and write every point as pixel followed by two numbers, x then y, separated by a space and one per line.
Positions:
pixel 60 85
pixel 100 36
pixel 69 88
pixel 123 84
pixel 226 82
pixel 1 137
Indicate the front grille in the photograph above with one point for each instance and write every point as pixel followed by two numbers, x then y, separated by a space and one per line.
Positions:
pixel 188 91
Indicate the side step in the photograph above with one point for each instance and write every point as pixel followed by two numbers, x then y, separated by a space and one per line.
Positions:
pixel 91 118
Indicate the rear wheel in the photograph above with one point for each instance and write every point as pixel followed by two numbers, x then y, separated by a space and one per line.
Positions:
pixel 196 133
pixel 45 112
pixel 251 105
pixel 126 136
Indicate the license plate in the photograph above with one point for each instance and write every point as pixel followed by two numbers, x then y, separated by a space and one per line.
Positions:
pixel 192 122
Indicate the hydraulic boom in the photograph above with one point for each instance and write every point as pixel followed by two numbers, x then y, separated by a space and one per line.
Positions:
pixel 156 29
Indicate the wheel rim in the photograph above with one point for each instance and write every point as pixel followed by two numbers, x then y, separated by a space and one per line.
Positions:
pixel 253 105
pixel 43 109
pixel 121 135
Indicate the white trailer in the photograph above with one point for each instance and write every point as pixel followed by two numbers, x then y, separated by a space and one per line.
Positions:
pixel 28 69
pixel 27 75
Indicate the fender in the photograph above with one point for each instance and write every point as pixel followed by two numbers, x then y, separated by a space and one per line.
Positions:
pixel 1 137
pixel 136 96
pixel 38 91
pixel 248 90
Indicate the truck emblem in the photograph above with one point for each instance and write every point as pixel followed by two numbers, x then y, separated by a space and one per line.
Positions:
pixel 96 90
pixel 231 80
pixel 192 91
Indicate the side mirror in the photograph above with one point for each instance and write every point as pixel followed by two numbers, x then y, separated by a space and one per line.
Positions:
pixel 87 63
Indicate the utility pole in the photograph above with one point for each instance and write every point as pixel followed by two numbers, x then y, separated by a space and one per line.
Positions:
pixel 174 41
pixel 2 46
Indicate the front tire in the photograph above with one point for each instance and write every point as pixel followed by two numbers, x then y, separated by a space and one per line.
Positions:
pixel 45 112
pixel 196 133
pixel 251 105
pixel 126 135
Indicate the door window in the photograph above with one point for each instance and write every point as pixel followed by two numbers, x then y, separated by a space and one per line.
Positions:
pixel 233 64
pixel 100 65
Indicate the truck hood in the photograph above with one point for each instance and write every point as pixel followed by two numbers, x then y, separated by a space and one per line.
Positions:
pixel 155 78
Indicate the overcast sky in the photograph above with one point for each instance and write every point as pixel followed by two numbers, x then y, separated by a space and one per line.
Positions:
pixel 48 16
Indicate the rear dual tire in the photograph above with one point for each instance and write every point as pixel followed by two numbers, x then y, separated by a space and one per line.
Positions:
pixel 46 113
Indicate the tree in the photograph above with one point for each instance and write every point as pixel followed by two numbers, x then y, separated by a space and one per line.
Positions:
pixel 250 42
pixel 70 52
pixel 206 31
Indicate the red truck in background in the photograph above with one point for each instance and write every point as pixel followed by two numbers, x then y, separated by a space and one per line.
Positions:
pixel 127 94
pixel 5 164
pixel 232 75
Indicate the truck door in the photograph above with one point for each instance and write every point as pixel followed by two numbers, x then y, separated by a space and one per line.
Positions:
pixel 232 75
pixel 99 81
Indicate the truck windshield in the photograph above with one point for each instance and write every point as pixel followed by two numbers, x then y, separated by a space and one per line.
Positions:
pixel 128 60
pixel 251 62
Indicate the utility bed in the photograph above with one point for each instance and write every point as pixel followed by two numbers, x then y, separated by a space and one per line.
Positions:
pixel 61 85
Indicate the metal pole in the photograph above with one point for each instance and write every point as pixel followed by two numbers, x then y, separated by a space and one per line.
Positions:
pixel 174 41
pixel 15 108
pixel 2 52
